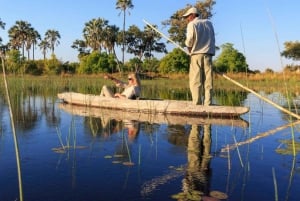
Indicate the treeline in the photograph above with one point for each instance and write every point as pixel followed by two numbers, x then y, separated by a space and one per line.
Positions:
pixel 97 48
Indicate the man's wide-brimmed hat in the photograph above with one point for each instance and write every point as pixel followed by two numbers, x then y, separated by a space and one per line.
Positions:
pixel 192 10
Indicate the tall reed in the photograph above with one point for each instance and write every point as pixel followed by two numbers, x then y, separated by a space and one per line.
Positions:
pixel 13 130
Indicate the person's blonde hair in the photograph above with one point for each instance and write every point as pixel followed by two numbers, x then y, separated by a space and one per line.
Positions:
pixel 136 78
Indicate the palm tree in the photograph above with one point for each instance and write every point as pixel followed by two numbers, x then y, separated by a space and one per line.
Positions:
pixel 93 33
pixel 2 48
pixel 44 45
pixel 123 5
pixel 80 46
pixel 18 35
pixel 52 36
pixel 110 40
pixel 2 26
pixel 32 38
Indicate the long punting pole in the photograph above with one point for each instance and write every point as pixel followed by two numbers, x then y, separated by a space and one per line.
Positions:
pixel 228 78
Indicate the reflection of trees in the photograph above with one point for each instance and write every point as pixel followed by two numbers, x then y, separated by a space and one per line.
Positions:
pixel 101 126
pixel 49 109
pixel 177 135
pixel 229 97
pixel 1 114
pixel 24 110
pixel 150 128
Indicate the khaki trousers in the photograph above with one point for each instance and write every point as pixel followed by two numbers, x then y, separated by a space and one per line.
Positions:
pixel 200 78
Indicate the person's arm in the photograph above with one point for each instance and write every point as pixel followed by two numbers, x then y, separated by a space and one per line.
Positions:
pixel 118 82
pixel 118 95
pixel 128 93
pixel 189 41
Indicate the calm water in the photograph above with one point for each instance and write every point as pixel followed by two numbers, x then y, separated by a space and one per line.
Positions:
pixel 68 154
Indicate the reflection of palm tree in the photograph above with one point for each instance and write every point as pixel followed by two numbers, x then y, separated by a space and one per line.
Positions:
pixel 198 170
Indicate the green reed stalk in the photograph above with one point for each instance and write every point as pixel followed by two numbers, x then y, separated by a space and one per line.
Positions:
pixel 127 147
pixel 59 137
pixel 285 82
pixel 13 130
pixel 275 184
pixel 290 180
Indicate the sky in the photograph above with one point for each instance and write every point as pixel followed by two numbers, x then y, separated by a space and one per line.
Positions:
pixel 256 28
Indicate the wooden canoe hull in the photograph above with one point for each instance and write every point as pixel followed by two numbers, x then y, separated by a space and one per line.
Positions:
pixel 169 119
pixel 174 107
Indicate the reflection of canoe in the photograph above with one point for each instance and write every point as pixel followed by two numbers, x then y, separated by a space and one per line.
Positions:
pixel 174 107
pixel 147 117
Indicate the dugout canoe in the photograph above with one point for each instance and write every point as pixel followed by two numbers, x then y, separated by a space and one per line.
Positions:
pixel 173 107
pixel 157 118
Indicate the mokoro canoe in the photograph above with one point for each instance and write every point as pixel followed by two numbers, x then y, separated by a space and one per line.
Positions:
pixel 174 107
pixel 109 114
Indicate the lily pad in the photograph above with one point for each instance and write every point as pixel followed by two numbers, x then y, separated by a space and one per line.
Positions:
pixel 108 156
pixel 218 195
pixel 128 163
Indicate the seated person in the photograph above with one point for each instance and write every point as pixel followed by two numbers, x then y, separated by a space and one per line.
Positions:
pixel 132 89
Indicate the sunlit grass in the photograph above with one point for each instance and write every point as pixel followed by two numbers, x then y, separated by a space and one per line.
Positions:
pixel 51 85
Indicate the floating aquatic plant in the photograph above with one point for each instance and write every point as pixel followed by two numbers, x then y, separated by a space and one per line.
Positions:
pixel 62 150
pixel 191 195
pixel 219 195
pixel 290 147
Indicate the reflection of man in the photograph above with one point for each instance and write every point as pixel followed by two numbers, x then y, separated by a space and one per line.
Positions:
pixel 197 174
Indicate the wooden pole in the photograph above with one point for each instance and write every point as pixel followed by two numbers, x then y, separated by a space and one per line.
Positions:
pixel 228 78
pixel 262 97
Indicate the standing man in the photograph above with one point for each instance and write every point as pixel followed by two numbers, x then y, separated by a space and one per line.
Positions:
pixel 200 41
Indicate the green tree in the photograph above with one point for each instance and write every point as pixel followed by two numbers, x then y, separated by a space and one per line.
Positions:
pixel 111 34
pixel 143 43
pixel 175 61
pixel 93 33
pixel 44 46
pixel 134 64
pixel 96 63
pixel 81 47
pixel 2 26
pixel 292 50
pixel 53 66
pixel 230 60
pixel 52 36
pixel 124 5
pixel 31 40
pixel 150 65
pixel 13 63
pixel 2 47
pixel 18 35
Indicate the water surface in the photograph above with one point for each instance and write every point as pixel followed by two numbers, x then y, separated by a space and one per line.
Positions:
pixel 70 155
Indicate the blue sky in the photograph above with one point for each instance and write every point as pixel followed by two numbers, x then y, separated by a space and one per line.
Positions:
pixel 256 28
